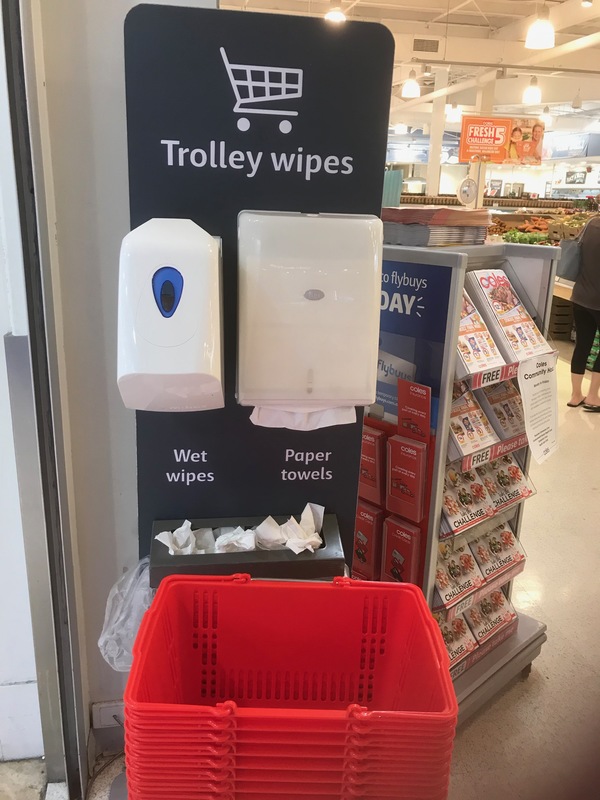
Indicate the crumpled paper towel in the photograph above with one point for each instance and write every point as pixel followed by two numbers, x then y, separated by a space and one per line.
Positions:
pixel 205 541
pixel 304 535
pixel 269 535
pixel 237 541
pixel 180 542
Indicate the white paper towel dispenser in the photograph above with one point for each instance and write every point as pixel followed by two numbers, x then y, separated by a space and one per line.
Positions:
pixel 169 334
pixel 309 298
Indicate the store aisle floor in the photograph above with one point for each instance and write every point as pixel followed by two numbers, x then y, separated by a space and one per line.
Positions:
pixel 540 739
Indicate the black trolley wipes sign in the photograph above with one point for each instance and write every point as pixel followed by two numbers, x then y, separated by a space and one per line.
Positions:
pixel 226 112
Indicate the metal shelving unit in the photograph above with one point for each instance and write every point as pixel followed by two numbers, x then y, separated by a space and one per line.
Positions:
pixel 511 659
pixel 531 270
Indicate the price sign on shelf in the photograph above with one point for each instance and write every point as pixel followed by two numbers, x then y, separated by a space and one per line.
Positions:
pixel 537 381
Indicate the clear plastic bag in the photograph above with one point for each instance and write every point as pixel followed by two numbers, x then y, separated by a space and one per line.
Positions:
pixel 128 601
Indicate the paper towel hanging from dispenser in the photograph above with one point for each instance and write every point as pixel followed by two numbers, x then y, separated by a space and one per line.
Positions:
pixel 309 299
pixel 169 336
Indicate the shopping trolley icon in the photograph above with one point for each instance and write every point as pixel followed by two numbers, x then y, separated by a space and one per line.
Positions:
pixel 259 85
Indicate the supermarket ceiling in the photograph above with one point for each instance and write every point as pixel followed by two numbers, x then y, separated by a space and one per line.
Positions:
pixel 489 32
pixel 479 42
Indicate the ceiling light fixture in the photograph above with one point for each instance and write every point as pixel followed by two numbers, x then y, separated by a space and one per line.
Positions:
pixel 540 35
pixel 453 113
pixel 547 118
pixel 335 13
pixel 410 87
pixel 400 129
pixel 586 3
pixel 532 96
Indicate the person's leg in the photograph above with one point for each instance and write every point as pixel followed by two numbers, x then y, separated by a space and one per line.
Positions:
pixel 585 330
pixel 593 396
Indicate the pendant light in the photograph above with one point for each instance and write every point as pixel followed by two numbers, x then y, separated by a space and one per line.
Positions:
pixel 532 96
pixel 410 87
pixel 540 35
pixel 453 113
pixel 547 118
pixel 335 13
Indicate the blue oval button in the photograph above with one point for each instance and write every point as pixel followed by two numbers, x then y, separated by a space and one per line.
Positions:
pixel 167 287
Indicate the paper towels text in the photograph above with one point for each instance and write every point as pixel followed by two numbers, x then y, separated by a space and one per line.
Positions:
pixel 306 457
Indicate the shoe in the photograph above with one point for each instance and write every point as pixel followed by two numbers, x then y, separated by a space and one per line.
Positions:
pixel 592 409
pixel 576 405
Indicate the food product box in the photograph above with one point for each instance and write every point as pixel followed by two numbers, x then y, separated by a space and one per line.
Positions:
pixel 368 536
pixel 401 546
pixel 476 348
pixel 371 484
pixel 406 477
pixel 470 429
pixel 457 637
pixel 498 552
pixel 509 322
pixel 466 501
pixel 490 615
pixel 414 410
pixel 457 574
pixel 504 481
pixel 503 405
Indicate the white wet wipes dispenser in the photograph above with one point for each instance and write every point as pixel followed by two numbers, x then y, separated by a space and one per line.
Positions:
pixel 309 296
pixel 170 345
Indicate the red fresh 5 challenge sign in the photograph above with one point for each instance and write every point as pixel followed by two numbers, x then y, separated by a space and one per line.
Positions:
pixel 485 137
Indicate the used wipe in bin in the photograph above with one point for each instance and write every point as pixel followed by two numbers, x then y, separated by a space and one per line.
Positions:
pixel 180 542
pixel 269 535
pixel 239 540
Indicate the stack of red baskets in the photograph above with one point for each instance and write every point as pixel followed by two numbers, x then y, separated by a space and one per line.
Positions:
pixel 259 689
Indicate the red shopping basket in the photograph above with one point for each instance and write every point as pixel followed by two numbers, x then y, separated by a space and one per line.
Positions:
pixel 246 670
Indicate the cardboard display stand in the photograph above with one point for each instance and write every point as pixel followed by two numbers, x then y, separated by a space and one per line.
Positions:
pixel 198 149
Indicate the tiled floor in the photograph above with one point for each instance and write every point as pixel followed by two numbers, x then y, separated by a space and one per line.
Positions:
pixel 540 739
pixel 22 780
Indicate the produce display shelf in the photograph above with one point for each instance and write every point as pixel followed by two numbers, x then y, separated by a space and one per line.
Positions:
pixel 479 684
pixel 478 593
pixel 490 453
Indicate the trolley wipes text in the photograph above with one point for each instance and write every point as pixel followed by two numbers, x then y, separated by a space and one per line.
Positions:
pixel 217 155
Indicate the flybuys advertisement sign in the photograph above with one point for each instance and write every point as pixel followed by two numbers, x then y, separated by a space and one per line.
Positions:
pixel 414 310
pixel 229 112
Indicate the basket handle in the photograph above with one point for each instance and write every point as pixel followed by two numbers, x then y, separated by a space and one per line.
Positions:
pixel 238 577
